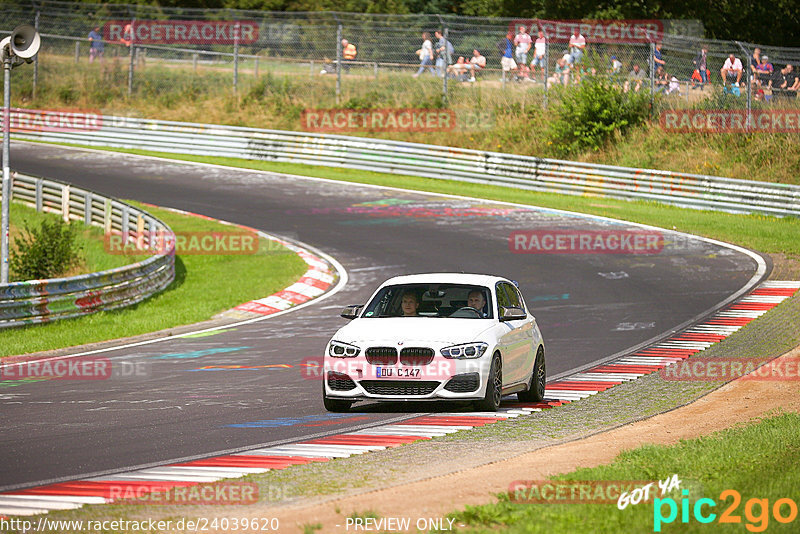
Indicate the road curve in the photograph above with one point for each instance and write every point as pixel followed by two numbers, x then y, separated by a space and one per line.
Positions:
pixel 589 306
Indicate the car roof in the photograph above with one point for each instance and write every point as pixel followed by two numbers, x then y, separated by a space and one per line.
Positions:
pixel 446 278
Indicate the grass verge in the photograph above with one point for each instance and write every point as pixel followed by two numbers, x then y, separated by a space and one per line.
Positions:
pixel 204 285
pixel 89 239
pixel 708 466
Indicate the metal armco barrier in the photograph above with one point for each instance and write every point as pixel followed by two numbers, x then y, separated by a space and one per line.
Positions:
pixel 430 161
pixel 39 301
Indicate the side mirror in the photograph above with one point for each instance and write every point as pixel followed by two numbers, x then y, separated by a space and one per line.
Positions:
pixel 512 314
pixel 351 312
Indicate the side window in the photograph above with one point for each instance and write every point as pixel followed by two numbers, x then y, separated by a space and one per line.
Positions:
pixel 503 300
pixel 513 296
pixel 520 302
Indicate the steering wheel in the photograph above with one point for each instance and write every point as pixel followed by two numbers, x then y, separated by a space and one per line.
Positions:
pixel 466 312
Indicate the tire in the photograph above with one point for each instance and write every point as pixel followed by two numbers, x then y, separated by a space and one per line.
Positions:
pixel 494 387
pixel 535 392
pixel 335 405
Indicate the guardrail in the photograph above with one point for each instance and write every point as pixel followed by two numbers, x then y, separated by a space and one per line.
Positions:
pixel 430 161
pixel 38 301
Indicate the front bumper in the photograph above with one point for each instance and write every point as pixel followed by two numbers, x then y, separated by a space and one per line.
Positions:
pixel 443 378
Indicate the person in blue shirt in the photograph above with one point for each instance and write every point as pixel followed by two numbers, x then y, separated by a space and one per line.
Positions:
pixel 96 47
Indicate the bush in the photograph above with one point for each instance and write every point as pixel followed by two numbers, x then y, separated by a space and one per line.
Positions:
pixel 588 116
pixel 48 251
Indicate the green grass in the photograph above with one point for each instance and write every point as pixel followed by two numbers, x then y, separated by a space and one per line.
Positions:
pixel 758 232
pixel 707 466
pixel 90 241
pixel 204 285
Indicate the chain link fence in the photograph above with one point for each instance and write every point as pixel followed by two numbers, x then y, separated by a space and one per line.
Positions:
pixel 330 60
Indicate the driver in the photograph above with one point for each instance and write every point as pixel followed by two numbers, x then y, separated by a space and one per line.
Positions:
pixel 476 300
pixel 409 304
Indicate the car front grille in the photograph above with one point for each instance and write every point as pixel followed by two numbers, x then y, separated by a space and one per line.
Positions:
pixel 399 387
pixel 465 383
pixel 381 355
pixel 340 382
pixel 416 356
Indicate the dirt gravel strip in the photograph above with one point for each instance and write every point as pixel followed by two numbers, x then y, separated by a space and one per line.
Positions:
pixel 739 401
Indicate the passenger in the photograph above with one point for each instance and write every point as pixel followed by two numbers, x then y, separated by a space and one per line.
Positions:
pixel 409 304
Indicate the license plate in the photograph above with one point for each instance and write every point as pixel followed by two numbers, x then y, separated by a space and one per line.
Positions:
pixel 397 372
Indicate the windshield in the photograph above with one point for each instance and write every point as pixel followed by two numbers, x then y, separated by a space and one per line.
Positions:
pixel 431 300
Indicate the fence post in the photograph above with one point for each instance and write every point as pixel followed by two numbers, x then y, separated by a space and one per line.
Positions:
pixel 749 81
pixel 35 59
pixel 77 52
pixel 65 203
pixel 338 61
pixel 376 70
pixel 546 63
pixel 235 57
pixel 255 69
pixel 652 65
pixel 38 195
pixel 194 62
pixel 446 34
pixel 87 208
pixel 131 53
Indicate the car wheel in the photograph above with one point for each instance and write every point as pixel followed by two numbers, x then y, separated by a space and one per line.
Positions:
pixel 335 405
pixel 494 387
pixel 535 392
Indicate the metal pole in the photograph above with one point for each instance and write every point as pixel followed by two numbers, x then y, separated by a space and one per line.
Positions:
pixel 77 52
pixel 546 64
pixel 338 61
pixel 446 63
pixel 749 82
pixel 131 53
pixel 6 171
pixel 235 57
pixel 255 69
pixel 652 64
pixel 35 59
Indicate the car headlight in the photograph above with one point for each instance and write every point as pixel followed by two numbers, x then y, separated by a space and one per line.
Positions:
pixel 337 349
pixel 467 350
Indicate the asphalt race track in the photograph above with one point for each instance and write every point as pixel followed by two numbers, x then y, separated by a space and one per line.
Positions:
pixel 589 306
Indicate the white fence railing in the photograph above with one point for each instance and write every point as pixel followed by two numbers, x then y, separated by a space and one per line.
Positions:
pixel 38 301
pixel 431 161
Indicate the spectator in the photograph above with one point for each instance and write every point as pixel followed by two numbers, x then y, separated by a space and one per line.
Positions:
pixel 507 61
pixel 478 63
pixel 561 73
pixel 764 70
pixel 425 55
pixel 96 47
pixel 635 77
pixel 127 35
pixel 658 58
pixel 674 85
pixel 460 70
pixel 786 82
pixel 523 44
pixel 539 54
pixel 661 80
pixel 615 67
pixel 348 54
pixel 701 67
pixel 755 60
pixel 731 71
pixel 577 46
pixel 444 53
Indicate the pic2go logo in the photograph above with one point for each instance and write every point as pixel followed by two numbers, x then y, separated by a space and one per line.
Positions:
pixel 756 511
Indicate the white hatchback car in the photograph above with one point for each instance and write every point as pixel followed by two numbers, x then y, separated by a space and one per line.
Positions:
pixel 440 336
